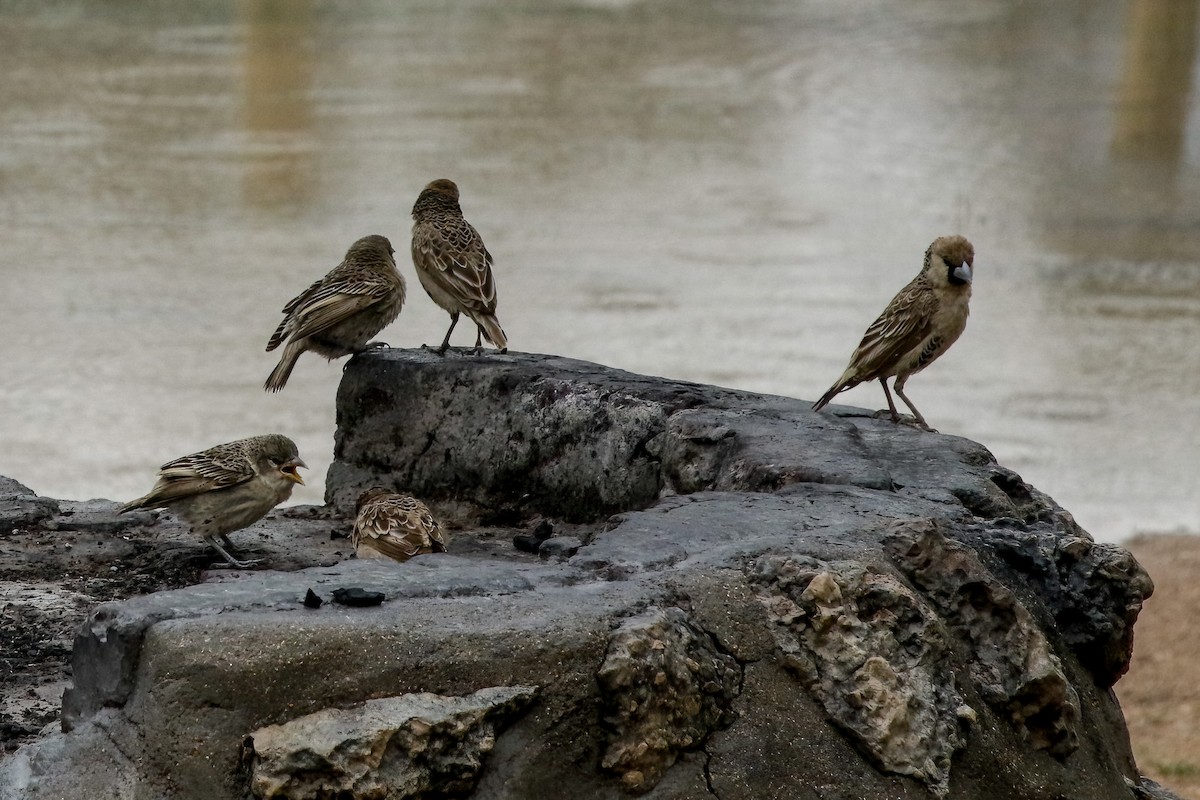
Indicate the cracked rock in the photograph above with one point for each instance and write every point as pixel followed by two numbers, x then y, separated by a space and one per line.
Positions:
pixel 876 658
pixel 1013 666
pixel 665 687
pixel 413 746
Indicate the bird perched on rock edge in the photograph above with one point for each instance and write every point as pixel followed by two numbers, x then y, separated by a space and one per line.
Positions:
pixel 917 326
pixel 396 526
pixel 338 314
pixel 227 487
pixel 453 265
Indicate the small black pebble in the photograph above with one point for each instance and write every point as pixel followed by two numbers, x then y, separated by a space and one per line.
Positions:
pixel 357 597
pixel 527 542
pixel 336 534
pixel 312 600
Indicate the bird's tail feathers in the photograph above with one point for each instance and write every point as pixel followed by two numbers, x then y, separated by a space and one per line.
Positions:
pixel 283 370
pixel 132 505
pixel 843 383
pixel 492 330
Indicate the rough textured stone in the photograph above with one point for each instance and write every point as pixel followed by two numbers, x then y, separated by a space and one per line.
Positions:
pixel 405 748
pixel 876 658
pixel 20 506
pixel 839 652
pixel 571 439
pixel 1013 666
pixel 560 547
pixel 665 686
pixel 1094 590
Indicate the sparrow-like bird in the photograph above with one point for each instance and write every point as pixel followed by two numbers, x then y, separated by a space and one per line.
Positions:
pixel 338 314
pixel 453 265
pixel 227 487
pixel 920 324
pixel 396 526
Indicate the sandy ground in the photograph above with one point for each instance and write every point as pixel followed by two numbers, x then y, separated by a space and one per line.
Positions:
pixel 1161 692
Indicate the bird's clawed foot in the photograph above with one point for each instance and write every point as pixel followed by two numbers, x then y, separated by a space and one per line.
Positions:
pixel 235 563
pixel 902 419
pixel 230 561
pixel 915 422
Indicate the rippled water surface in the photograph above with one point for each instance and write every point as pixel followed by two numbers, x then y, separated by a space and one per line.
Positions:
pixel 722 192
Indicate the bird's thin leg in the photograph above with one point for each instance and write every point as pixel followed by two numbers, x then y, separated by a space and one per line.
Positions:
pixel 212 540
pixel 891 405
pixel 916 414
pixel 445 345
pixel 478 339
pixel 226 541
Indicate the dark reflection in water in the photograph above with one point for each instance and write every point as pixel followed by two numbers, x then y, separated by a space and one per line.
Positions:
pixel 724 192
pixel 1156 85
pixel 277 101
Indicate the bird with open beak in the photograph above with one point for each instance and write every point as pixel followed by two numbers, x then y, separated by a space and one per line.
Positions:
pixel 226 488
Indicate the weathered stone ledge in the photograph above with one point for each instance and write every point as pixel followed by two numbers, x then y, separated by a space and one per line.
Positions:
pixel 767 603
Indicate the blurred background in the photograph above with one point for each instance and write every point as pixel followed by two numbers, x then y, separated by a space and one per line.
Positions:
pixel 724 192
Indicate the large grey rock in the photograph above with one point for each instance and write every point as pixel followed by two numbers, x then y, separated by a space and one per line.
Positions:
pixel 767 603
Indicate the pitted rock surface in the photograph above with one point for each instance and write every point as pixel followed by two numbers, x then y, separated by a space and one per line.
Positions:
pixel 741 533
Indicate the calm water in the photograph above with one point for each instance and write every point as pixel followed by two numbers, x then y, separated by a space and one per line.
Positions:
pixel 722 192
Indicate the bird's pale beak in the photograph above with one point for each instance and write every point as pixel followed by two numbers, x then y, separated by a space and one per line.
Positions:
pixel 289 470
pixel 963 272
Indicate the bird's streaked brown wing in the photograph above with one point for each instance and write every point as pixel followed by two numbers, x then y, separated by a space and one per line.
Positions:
pixel 399 527
pixel 453 254
pixel 328 310
pixel 902 326
pixel 216 468
pixel 281 332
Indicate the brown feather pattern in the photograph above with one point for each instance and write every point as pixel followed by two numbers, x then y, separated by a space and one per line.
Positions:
pixel 453 265
pixel 397 526
pixel 226 487
pixel 919 324
pixel 338 314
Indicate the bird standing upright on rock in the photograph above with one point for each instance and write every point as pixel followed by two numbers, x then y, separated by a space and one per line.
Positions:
pixel 453 265
pixel 918 325
pixel 338 314
pixel 395 526
pixel 227 487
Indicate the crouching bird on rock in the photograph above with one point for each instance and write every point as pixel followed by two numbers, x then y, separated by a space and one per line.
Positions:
pixel 453 265
pixel 227 487
pixel 921 322
pixel 338 314
pixel 395 526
